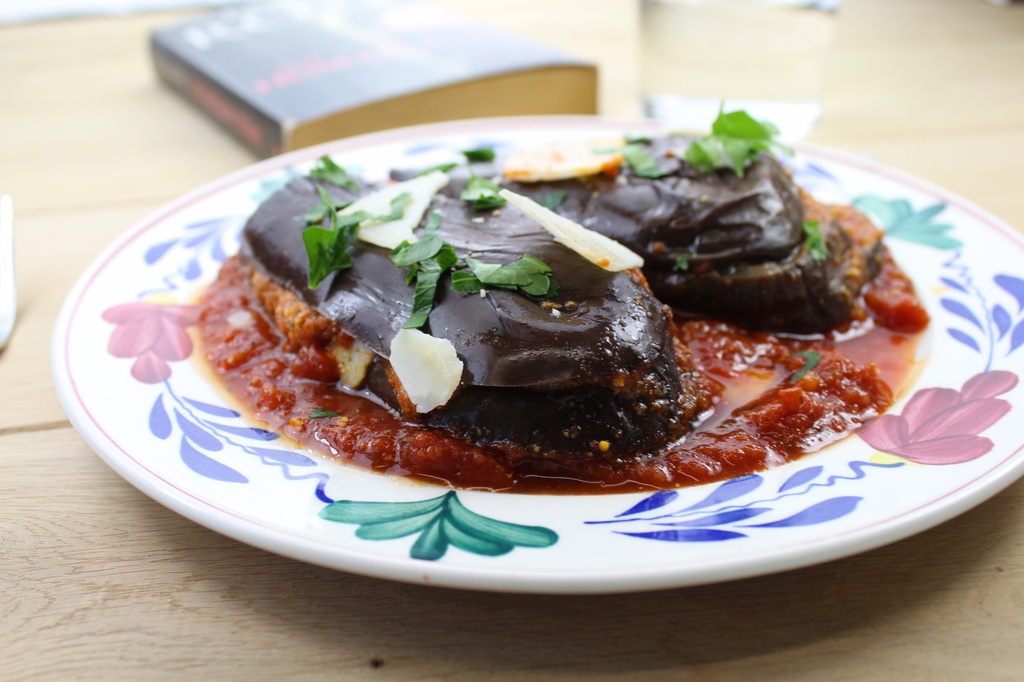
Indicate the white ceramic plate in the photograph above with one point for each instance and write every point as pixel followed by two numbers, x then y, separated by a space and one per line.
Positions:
pixel 121 365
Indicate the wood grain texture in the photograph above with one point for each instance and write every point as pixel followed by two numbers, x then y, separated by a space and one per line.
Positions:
pixel 98 582
pixel 110 585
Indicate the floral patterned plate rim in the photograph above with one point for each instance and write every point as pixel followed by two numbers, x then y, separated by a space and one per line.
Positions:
pixel 126 374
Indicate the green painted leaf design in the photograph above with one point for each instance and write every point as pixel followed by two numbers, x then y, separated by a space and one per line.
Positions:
pixel 900 221
pixel 347 511
pixel 440 522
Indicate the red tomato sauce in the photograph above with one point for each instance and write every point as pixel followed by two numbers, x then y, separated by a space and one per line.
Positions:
pixel 774 398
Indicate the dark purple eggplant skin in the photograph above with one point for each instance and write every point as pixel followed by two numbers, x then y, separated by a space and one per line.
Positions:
pixel 607 323
pixel 603 366
pixel 714 218
pixel 742 239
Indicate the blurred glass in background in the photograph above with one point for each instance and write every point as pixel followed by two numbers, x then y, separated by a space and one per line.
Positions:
pixel 766 56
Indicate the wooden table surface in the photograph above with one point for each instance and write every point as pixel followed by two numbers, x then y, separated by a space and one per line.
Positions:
pixel 97 581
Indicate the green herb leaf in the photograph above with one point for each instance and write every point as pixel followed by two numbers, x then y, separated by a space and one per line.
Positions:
pixel 443 167
pixel 553 199
pixel 433 222
pixel 410 253
pixel 428 259
pixel 641 162
pixel 326 170
pixel 815 241
pixel 397 208
pixel 682 263
pixel 318 412
pixel 735 140
pixel 466 282
pixel 479 154
pixel 528 274
pixel 811 360
pixel 741 125
pixel 428 273
pixel 327 249
pixel 322 209
pixel 482 193
pixel 638 139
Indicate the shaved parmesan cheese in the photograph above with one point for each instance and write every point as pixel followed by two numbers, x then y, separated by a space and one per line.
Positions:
pixel 428 368
pixel 392 233
pixel 565 161
pixel 595 247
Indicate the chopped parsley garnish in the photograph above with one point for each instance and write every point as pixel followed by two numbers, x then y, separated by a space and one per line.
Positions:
pixel 682 263
pixel 641 162
pixel 327 171
pixel 327 248
pixel 815 241
pixel 638 139
pixel 319 412
pixel 735 140
pixel 479 154
pixel 528 274
pixel 427 259
pixel 811 360
pixel 431 257
pixel 482 193
pixel 553 199
pixel 443 167
pixel 433 222
pixel 322 209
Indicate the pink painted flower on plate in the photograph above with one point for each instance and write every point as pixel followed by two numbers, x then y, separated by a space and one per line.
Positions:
pixel 942 425
pixel 152 334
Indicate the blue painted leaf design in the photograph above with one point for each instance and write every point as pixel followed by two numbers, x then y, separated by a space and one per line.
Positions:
pixel 289 457
pixel 953 284
pixel 960 310
pixel 730 490
pixel 197 240
pixel 822 512
pixel 212 223
pixel 207 466
pixel 217 252
pixel 822 171
pixel 655 501
pixel 215 410
pixel 159 421
pixel 422 147
pixel 688 535
pixel 720 519
pixel 1002 320
pixel 1013 286
pixel 965 339
pixel 192 270
pixel 1017 337
pixel 247 432
pixel 157 251
pixel 801 477
pixel 197 434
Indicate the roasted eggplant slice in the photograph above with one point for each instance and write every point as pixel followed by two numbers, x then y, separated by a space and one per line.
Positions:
pixel 594 369
pixel 727 246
